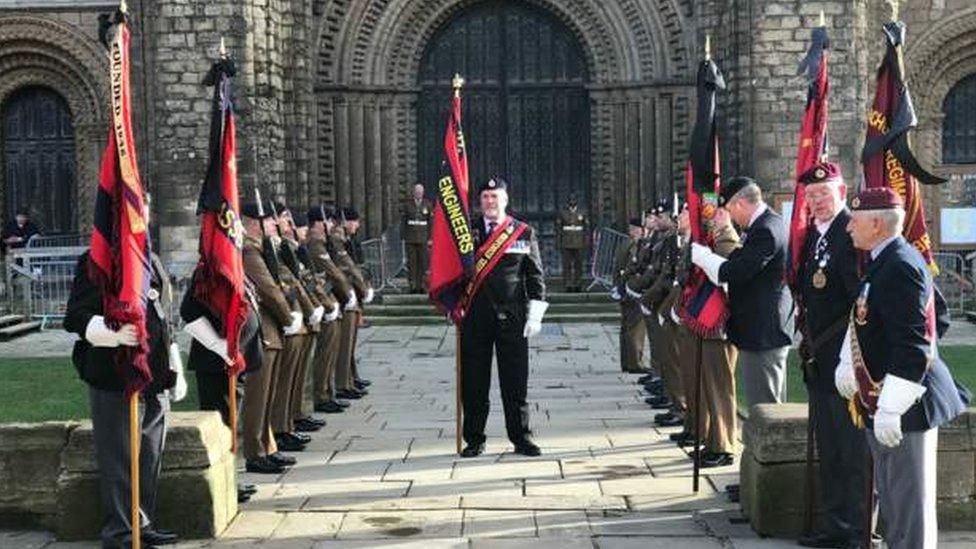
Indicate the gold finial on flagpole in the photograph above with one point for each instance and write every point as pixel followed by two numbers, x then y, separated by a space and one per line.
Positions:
pixel 894 9
pixel 457 83
pixel 123 7
pixel 223 48
pixel 823 19
pixel 708 48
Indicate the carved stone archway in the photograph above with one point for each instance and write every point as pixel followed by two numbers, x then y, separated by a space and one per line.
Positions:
pixel 37 51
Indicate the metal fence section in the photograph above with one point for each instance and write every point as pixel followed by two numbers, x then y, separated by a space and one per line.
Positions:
pixel 38 280
pixel 606 242
pixel 954 280
pixel 384 259
pixel 179 273
pixel 59 241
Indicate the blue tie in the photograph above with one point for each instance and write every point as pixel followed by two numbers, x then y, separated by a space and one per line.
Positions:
pixel 491 226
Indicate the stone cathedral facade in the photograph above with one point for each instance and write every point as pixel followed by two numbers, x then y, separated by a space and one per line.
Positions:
pixel 344 101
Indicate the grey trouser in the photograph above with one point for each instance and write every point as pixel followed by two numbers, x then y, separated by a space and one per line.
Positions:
pixel 110 421
pixel 843 464
pixel 763 375
pixel 904 478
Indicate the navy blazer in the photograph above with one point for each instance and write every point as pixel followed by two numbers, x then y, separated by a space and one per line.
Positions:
pixel 830 306
pixel 895 339
pixel 761 307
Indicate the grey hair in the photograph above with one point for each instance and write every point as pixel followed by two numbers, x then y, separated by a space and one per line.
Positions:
pixel 893 219
pixel 751 193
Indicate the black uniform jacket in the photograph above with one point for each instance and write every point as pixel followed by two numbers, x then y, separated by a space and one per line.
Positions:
pixel 827 309
pixel 895 339
pixel 516 278
pixel 201 358
pixel 96 365
pixel 760 305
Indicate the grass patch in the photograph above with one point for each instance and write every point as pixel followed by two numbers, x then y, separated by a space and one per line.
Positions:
pixel 960 358
pixel 47 389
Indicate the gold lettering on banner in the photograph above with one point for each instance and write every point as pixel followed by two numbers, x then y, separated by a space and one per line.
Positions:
pixel 878 121
pixel 119 98
pixel 454 210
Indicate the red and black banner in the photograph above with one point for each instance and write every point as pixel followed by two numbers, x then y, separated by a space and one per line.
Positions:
pixel 219 275
pixel 452 244
pixel 120 263
pixel 888 159
pixel 812 147
pixel 704 306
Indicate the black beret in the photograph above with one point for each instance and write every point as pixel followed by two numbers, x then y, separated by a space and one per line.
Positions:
pixel 300 219
pixel 350 214
pixel 281 207
pixel 636 222
pixel 315 214
pixel 821 172
pixel 731 187
pixel 494 184
pixel 250 209
pixel 876 198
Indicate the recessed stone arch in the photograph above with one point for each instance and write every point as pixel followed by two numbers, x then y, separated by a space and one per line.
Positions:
pixel 38 51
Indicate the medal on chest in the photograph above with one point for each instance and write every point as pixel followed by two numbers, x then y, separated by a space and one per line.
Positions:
pixel 821 257
pixel 861 305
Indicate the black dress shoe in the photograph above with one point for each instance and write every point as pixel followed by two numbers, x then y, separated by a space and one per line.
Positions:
pixel 350 394
pixel 822 540
pixel 263 466
pixel 527 448
pixel 281 459
pixel 342 403
pixel 153 536
pixel 364 382
pixel 644 379
pixel 668 420
pixel 716 459
pixel 658 402
pixel 243 497
pixel 289 443
pixel 249 488
pixel 301 437
pixel 473 450
pixel 329 407
pixel 303 426
pixel 313 420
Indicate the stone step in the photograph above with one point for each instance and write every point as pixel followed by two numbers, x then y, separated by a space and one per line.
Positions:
pixel 10 319
pixel 427 309
pixel 391 298
pixel 19 329
pixel 433 320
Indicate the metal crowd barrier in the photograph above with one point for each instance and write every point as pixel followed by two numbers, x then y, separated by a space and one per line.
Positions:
pixel 606 242
pixel 953 280
pixel 59 241
pixel 38 280
pixel 384 259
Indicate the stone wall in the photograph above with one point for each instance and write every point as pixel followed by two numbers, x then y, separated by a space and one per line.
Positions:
pixel 773 487
pixel 50 478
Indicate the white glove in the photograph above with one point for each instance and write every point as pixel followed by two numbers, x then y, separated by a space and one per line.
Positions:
pixel 674 317
pixel 615 294
pixel 353 302
pixel 100 335
pixel 333 313
pixel 178 392
pixel 202 331
pixel 660 319
pixel 368 298
pixel 645 311
pixel 897 396
pixel 844 378
pixel 296 323
pixel 316 315
pixel 631 293
pixel 533 321
pixel 709 261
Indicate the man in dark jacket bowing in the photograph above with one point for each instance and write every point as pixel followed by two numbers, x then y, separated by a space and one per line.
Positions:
pixel 504 308
pixel 761 308
pixel 828 282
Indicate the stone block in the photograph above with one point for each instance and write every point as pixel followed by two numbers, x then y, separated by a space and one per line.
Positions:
pixel 776 433
pixel 30 455
pixel 197 487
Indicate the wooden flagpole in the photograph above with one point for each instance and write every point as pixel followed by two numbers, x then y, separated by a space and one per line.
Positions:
pixel 457 84
pixel 134 435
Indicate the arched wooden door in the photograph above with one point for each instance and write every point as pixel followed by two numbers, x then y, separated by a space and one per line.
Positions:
pixel 38 147
pixel 526 112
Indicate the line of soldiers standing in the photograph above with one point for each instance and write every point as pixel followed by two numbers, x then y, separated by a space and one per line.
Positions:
pixel 649 275
pixel 308 292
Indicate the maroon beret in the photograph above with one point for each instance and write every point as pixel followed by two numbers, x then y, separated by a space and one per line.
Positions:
pixel 876 198
pixel 821 172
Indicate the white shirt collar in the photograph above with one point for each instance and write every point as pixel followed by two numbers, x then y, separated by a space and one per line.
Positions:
pixel 822 228
pixel 876 251
pixel 488 225
pixel 761 209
